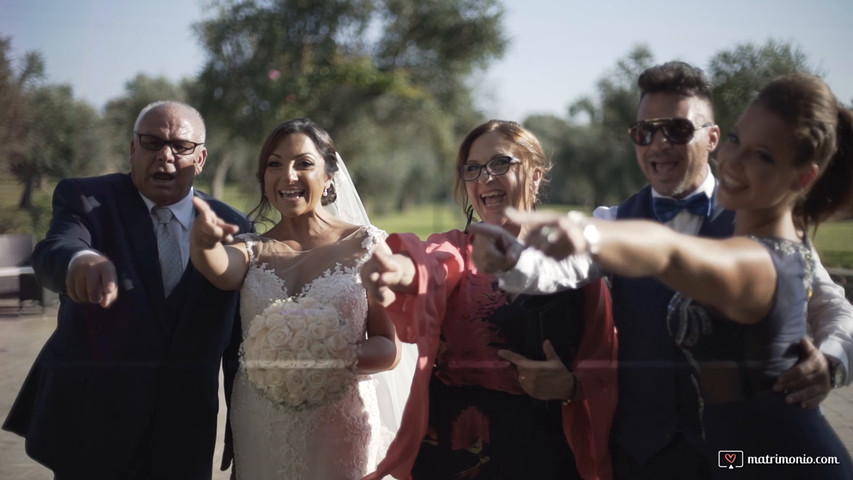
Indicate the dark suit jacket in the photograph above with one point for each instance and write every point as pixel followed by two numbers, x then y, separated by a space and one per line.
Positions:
pixel 138 380
pixel 657 396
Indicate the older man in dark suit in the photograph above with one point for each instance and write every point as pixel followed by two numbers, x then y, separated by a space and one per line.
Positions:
pixel 127 385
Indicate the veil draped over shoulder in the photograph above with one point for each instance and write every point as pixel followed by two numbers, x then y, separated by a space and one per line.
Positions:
pixel 348 205
pixel 392 386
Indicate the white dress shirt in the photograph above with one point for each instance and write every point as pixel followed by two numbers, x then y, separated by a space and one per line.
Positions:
pixel 183 211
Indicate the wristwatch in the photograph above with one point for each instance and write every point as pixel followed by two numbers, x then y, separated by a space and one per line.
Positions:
pixel 837 375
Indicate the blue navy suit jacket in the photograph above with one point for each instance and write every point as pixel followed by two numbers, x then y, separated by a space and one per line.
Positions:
pixel 145 369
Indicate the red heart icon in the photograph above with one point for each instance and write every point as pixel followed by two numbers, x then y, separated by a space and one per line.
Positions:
pixel 731 457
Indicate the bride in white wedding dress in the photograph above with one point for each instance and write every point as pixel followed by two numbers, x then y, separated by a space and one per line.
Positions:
pixel 304 403
pixel 332 440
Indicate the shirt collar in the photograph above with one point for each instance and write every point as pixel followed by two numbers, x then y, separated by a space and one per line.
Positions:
pixel 182 209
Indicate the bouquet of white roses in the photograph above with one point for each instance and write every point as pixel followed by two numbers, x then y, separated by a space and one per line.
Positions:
pixel 297 353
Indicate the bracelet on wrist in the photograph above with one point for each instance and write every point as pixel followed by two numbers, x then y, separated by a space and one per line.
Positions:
pixel 589 231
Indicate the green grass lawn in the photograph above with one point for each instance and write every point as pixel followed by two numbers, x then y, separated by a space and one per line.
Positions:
pixel 834 243
pixel 10 192
pixel 834 240
pixel 422 220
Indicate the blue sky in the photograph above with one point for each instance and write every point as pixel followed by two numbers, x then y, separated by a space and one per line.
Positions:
pixel 559 49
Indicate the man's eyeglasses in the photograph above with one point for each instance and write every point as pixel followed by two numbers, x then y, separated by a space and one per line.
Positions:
pixel 155 143
pixel 676 130
pixel 496 166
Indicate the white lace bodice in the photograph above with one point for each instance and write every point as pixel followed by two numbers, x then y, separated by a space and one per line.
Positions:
pixel 338 286
pixel 339 440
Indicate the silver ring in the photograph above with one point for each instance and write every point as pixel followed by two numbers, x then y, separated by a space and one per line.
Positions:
pixel 550 234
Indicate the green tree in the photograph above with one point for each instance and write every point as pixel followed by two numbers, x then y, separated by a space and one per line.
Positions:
pixel 594 161
pixel 564 180
pixel 596 165
pixel 392 72
pixel 44 132
pixel 740 73
pixel 15 83
pixel 62 139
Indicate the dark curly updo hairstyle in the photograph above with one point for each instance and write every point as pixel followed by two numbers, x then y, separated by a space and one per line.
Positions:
pixel 325 146
pixel 822 130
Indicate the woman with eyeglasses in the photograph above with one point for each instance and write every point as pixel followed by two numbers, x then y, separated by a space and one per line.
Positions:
pixel 740 311
pixel 508 386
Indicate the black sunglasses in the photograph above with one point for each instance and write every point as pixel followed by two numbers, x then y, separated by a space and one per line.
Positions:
pixel 155 143
pixel 496 166
pixel 676 130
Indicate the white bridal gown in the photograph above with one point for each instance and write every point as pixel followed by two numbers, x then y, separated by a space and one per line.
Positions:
pixel 335 441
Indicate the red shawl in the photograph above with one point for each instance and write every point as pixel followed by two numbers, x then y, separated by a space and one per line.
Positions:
pixel 419 317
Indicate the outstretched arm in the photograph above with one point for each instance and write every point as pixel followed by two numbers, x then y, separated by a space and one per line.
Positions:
pixel 386 272
pixel 495 249
pixel 66 261
pixel 736 276
pixel 527 270
pixel 223 265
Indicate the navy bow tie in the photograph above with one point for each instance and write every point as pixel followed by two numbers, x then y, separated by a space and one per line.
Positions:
pixel 667 208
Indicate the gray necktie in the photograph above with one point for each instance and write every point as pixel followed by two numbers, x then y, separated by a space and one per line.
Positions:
pixel 169 247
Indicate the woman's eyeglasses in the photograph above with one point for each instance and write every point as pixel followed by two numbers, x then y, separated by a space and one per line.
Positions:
pixel 497 166
pixel 676 130
pixel 155 143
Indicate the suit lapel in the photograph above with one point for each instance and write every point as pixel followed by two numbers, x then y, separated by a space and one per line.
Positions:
pixel 143 245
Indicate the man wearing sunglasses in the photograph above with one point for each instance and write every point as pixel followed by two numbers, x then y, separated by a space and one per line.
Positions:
pixel 127 385
pixel 657 432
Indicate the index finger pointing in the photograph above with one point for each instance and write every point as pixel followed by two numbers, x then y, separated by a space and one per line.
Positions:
pixel 486 230
pixel 203 207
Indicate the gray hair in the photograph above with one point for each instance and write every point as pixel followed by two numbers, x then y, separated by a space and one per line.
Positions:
pixel 160 103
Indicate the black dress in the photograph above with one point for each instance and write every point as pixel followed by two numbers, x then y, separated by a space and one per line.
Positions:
pixel 750 432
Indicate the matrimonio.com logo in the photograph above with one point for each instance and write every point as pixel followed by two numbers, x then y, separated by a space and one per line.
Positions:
pixel 730 459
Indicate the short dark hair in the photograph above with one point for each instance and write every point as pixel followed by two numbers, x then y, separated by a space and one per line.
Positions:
pixel 676 77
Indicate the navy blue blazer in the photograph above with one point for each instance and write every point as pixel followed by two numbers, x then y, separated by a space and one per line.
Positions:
pixel 139 376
